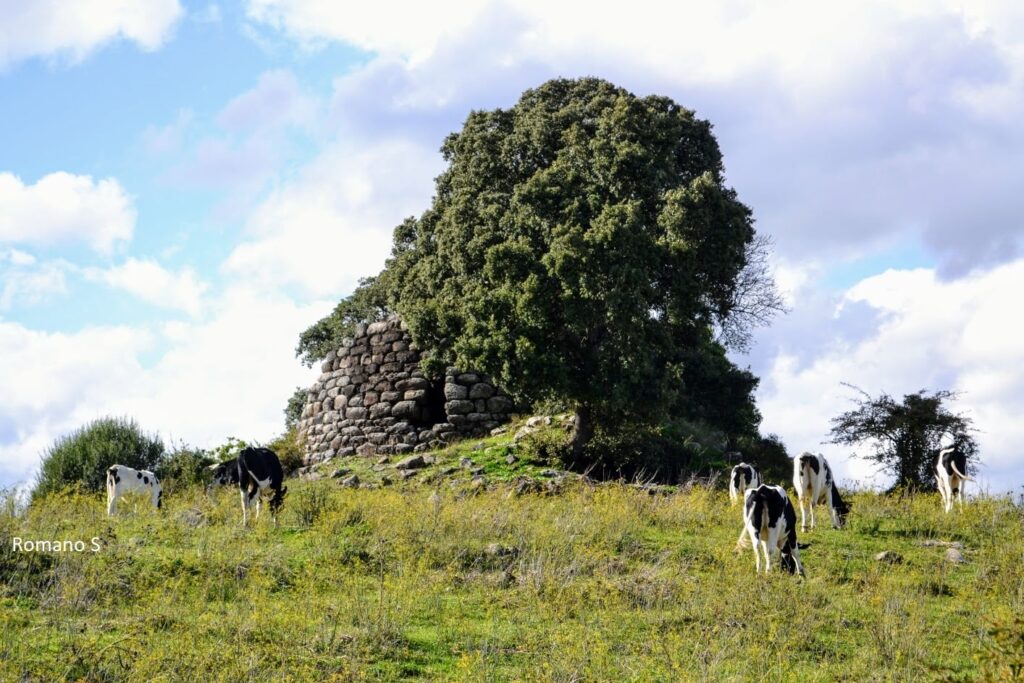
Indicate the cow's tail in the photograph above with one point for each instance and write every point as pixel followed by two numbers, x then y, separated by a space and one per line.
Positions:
pixel 805 473
pixel 758 511
pixel 956 470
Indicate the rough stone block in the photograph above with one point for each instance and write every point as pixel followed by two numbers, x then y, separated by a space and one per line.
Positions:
pixel 408 410
pixel 500 404
pixel 455 392
pixel 379 410
pixel 459 407
pixel 481 390
pixel 412 383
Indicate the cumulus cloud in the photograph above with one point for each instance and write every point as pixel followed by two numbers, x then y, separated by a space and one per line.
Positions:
pixel 277 100
pixel 333 224
pixel 154 284
pixel 841 124
pixel 27 282
pixel 924 333
pixel 257 133
pixel 230 375
pixel 63 207
pixel 61 381
pixel 50 28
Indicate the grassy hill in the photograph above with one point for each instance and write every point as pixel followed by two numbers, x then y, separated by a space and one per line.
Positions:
pixel 440 577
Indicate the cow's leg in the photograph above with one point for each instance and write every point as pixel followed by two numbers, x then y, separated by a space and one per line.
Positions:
pixel 245 507
pixel 258 499
pixel 757 553
pixel 111 502
pixel 831 509
pixel 741 541
pixel 811 503
pixel 803 515
pixel 958 494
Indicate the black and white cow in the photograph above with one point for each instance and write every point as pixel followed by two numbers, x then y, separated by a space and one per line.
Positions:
pixel 258 469
pixel 122 480
pixel 225 473
pixel 814 484
pixel 770 521
pixel 951 473
pixel 744 476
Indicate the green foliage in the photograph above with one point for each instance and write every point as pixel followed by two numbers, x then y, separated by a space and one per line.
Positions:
pixel 581 247
pixel 905 437
pixel 770 455
pixel 597 583
pixel 83 456
pixel 289 450
pixel 716 392
pixel 367 303
pixel 228 450
pixel 293 411
pixel 1003 656
pixel 183 467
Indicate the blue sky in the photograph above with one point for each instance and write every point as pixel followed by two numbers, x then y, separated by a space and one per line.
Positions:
pixel 185 186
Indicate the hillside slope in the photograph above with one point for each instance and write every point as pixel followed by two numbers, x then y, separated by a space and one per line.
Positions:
pixel 455 580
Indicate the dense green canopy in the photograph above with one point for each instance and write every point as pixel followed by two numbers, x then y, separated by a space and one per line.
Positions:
pixel 581 246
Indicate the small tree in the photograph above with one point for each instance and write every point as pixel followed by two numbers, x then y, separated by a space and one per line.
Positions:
pixel 905 437
pixel 83 456
pixel 366 303
pixel 293 411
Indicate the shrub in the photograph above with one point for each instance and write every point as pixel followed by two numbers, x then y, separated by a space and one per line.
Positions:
pixel 289 450
pixel 83 456
pixel 227 450
pixel 183 467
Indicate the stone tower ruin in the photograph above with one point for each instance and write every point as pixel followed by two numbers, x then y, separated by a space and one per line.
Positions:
pixel 373 398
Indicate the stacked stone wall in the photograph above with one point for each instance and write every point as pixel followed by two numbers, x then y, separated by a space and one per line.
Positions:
pixel 373 398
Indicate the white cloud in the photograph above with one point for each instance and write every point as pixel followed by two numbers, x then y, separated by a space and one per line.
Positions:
pixel 48 28
pixel 841 124
pixel 229 376
pixel 61 382
pixel 333 224
pixel 62 207
pixel 26 283
pixel 410 28
pixel 167 139
pixel 154 284
pixel 958 335
pixel 276 100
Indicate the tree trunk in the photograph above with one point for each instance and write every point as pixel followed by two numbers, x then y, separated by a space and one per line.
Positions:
pixel 582 431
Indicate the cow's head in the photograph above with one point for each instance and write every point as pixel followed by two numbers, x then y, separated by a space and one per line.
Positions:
pixel 224 473
pixel 278 500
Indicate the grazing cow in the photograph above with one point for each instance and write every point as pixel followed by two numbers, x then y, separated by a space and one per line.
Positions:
pixel 743 477
pixel 770 521
pixel 122 480
pixel 225 473
pixel 258 469
pixel 814 484
pixel 950 470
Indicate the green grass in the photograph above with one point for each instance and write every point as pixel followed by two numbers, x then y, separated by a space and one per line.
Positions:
pixel 600 582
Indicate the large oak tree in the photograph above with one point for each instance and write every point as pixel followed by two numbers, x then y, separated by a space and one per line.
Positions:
pixel 581 246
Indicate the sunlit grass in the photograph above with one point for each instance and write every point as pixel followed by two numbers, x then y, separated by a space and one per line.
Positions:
pixel 433 581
